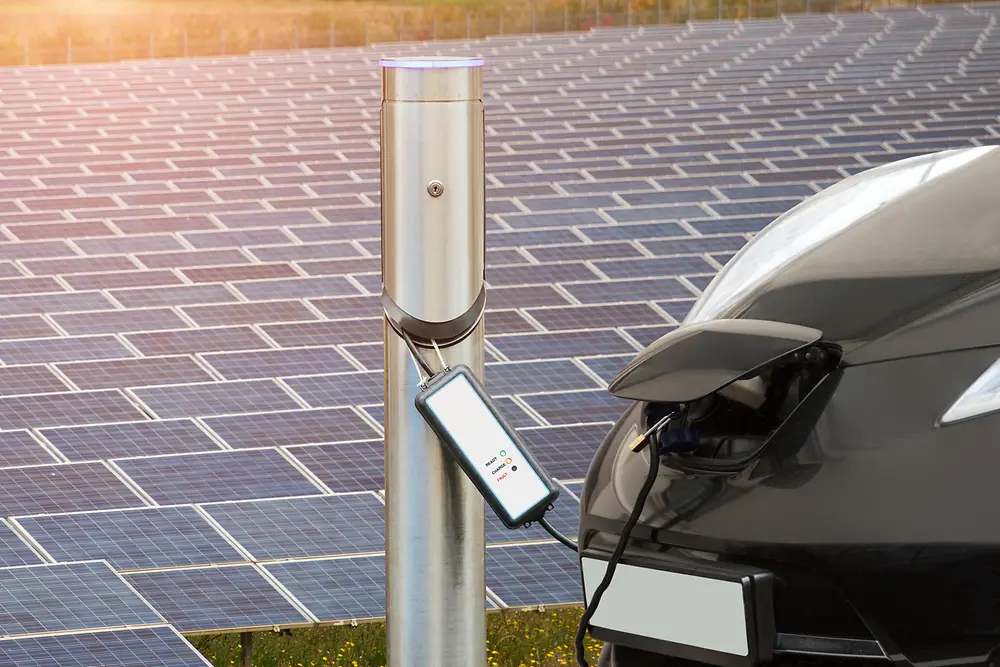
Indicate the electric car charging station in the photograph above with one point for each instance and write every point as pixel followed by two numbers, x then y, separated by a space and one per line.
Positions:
pixel 807 464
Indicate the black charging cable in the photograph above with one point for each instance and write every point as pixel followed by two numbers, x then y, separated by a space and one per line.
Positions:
pixel 640 502
pixel 551 530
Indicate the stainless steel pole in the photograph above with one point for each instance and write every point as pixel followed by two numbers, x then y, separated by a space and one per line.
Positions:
pixel 433 258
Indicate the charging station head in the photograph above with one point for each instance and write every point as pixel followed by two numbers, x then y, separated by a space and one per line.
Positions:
pixel 489 450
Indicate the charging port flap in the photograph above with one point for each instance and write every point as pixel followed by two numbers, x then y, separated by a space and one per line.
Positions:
pixel 696 360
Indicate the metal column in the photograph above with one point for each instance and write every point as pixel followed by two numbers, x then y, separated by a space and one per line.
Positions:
pixel 246 649
pixel 433 258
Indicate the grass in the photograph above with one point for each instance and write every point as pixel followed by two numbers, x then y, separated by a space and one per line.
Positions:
pixel 515 638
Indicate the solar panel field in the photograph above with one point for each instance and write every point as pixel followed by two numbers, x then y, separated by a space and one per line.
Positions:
pixel 190 327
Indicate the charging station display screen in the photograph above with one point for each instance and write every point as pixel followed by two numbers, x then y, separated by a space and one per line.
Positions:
pixel 490 451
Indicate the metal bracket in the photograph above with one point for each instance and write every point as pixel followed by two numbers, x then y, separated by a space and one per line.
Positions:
pixel 445 334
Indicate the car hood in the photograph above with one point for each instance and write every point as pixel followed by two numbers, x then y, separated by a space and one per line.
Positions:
pixel 898 260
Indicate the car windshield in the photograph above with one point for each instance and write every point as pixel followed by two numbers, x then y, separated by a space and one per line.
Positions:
pixel 817 220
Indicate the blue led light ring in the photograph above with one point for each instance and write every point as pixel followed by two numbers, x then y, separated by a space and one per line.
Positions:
pixel 428 63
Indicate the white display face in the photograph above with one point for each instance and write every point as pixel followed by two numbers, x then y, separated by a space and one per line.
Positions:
pixel 492 453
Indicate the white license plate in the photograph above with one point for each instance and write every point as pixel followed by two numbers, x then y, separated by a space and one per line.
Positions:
pixel 714 616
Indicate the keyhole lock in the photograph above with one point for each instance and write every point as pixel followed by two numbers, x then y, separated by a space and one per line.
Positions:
pixel 435 188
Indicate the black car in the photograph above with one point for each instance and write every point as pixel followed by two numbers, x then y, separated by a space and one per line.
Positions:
pixel 826 429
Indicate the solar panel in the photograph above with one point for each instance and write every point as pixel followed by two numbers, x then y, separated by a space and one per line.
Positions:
pixel 589 317
pixel 71 596
pixel 118 321
pixel 128 439
pixel 518 347
pixel 296 288
pixel 216 599
pixel 63 487
pixel 47 350
pixel 336 332
pixel 533 574
pixel 64 409
pixel 644 289
pixel 13 550
pixel 565 451
pixel 278 363
pixel 19 448
pixel 139 297
pixel 122 373
pixel 152 537
pixel 210 477
pixel 564 517
pixel 145 647
pixel 339 390
pixel 293 427
pixel 197 340
pixel 355 466
pixel 29 380
pixel 26 326
pixel 336 589
pixel 536 376
pixel 579 271
pixel 369 355
pixel 304 527
pixel 574 407
pixel 214 398
pixel 607 368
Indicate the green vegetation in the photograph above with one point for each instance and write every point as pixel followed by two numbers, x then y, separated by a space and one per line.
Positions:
pixel 514 639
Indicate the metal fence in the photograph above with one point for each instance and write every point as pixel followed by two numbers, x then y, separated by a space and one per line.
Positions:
pixel 287 33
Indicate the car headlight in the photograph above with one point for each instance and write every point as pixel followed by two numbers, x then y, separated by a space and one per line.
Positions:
pixel 981 398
